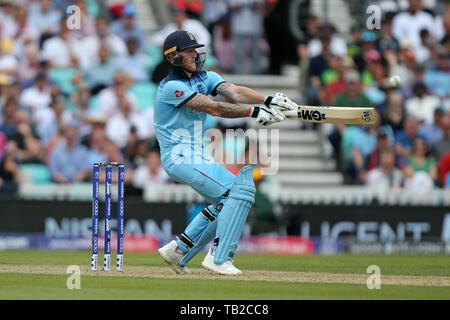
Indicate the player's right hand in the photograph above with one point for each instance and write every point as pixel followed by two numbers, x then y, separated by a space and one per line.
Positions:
pixel 267 115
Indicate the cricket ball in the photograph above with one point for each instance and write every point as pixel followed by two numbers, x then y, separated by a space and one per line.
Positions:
pixel 395 81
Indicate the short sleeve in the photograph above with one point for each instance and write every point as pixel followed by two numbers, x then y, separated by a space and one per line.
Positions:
pixel 176 93
pixel 214 80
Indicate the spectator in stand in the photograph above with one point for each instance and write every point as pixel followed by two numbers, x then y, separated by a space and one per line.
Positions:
pixel 443 23
pixel 407 25
pixel 312 26
pixel 404 139
pixel 418 183
pixel 9 91
pixel 9 64
pixel 386 41
pixel 388 90
pixel 193 8
pixel 385 139
pixel 403 63
pixel 442 146
pixel 365 55
pixel 59 50
pixel 446 43
pixel 355 43
pixel 100 75
pixel 8 25
pixel 95 140
pixel 23 140
pixel 113 154
pixel 394 114
pixel 331 74
pixel 150 172
pixel 377 71
pixel 214 13
pixel 247 29
pixel 352 96
pixel 30 64
pixel 25 31
pixel 87 52
pixel 418 76
pixel 439 78
pixel 276 23
pixel 432 132
pixel 81 115
pixel 337 45
pixel 45 19
pixel 341 137
pixel 135 62
pixel 126 28
pixel 9 174
pixel 334 88
pixel 109 99
pixel 386 176
pixel 118 127
pixel 317 65
pixel 364 143
pixel 444 170
pixel 38 96
pixel 49 125
pixel 136 150
pixel 420 159
pixel 69 159
pixel 421 105
pixel 180 21
pixel 8 120
pixel 223 45
pixel 372 60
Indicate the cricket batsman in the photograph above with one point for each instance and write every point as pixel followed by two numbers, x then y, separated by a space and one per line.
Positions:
pixel 182 99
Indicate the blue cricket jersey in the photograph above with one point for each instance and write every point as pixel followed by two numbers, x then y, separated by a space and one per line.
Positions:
pixel 174 122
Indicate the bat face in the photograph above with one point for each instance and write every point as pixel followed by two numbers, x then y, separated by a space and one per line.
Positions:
pixel 343 115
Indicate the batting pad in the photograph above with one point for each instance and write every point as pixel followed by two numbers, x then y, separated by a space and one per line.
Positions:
pixel 231 219
pixel 207 235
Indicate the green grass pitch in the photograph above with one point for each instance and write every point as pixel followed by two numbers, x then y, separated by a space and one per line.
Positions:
pixel 29 285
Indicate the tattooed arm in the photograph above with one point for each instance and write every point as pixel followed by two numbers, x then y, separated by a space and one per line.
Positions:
pixel 217 108
pixel 240 94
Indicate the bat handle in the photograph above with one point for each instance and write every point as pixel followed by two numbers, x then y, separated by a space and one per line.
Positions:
pixel 291 114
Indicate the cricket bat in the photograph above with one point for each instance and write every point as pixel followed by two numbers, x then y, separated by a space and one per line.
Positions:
pixel 328 114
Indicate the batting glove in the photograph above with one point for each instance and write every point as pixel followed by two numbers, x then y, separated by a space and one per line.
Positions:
pixel 282 103
pixel 266 115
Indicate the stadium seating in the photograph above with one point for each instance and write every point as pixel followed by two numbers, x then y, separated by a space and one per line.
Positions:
pixel 145 93
pixel 35 173
pixel 63 78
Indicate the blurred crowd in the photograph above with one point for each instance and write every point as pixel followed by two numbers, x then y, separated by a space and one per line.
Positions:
pixel 65 92
pixel 409 146
pixel 67 98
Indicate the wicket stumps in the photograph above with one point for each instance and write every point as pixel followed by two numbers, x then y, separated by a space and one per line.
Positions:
pixel 120 215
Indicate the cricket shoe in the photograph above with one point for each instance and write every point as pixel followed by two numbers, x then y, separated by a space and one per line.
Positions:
pixel 172 257
pixel 224 268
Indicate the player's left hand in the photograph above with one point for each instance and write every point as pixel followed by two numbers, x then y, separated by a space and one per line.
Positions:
pixel 281 102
